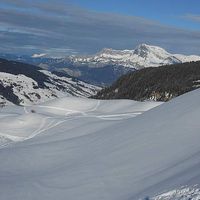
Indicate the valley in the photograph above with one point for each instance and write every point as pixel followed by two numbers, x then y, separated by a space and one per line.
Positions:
pixel 106 66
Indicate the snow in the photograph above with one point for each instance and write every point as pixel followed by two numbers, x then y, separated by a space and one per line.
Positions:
pixel 77 88
pixel 26 122
pixel 4 101
pixel 187 58
pixel 74 148
pixel 183 193
pixel 38 55
pixel 24 86
pixel 142 56
pixel 28 91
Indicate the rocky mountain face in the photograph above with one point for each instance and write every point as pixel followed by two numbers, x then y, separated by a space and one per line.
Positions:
pixel 25 84
pixel 155 83
pixel 106 66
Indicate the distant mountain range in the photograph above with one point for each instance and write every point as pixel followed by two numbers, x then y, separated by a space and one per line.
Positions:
pixel 141 57
pixel 25 84
pixel 106 66
pixel 155 83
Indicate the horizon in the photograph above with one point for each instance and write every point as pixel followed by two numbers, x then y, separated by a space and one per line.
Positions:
pixel 45 55
pixel 61 28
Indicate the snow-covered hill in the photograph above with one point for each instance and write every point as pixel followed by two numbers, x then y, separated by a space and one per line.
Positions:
pixel 74 148
pixel 25 84
pixel 142 56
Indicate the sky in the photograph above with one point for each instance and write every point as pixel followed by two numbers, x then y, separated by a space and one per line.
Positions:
pixel 65 27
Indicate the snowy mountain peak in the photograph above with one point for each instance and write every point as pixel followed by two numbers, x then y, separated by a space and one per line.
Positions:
pixel 106 50
pixel 143 46
pixel 147 47
pixel 144 50
pixel 141 57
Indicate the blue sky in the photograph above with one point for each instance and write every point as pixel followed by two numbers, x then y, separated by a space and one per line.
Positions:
pixel 165 11
pixel 61 27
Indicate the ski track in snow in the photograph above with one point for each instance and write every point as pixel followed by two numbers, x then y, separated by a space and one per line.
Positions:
pixel 49 122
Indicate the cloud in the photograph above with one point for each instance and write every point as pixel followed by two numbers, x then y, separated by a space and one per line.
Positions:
pixel 191 17
pixel 58 27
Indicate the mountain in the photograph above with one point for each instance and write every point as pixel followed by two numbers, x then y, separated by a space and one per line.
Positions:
pixel 141 57
pixel 74 148
pixel 106 66
pixel 24 84
pixel 155 83
pixel 98 76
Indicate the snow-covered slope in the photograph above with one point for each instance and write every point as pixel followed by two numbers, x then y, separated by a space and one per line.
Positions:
pixel 183 193
pixel 89 149
pixel 24 84
pixel 27 122
pixel 142 56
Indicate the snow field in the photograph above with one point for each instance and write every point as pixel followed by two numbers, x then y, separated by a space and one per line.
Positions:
pixel 78 154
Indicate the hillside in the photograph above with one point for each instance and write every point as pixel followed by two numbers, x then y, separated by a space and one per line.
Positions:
pixel 73 148
pixel 159 84
pixel 24 84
